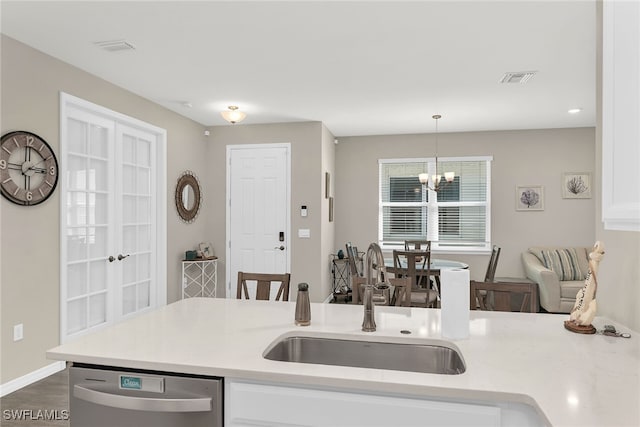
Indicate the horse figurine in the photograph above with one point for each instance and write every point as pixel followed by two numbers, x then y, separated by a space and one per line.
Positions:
pixel 585 307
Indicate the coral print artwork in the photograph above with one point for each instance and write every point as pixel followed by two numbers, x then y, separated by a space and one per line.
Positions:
pixel 529 198
pixel 576 185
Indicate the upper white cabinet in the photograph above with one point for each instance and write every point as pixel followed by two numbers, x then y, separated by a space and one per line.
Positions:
pixel 621 115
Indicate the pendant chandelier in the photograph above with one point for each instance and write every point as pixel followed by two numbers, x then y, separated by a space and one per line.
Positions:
pixel 434 183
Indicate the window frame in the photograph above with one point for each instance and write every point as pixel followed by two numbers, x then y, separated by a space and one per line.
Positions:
pixel 437 246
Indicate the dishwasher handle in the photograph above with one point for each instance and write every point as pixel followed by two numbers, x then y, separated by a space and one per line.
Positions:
pixel 200 404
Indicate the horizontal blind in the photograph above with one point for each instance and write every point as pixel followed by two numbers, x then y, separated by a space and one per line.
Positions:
pixel 403 201
pixel 462 209
pixel 455 216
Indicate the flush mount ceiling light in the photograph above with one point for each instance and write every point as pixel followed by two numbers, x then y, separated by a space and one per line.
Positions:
pixel 435 179
pixel 574 110
pixel 234 115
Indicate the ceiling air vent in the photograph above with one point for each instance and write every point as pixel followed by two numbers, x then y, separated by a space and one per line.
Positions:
pixel 517 77
pixel 115 45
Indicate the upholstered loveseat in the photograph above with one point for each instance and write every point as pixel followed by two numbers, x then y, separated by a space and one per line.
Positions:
pixel 559 272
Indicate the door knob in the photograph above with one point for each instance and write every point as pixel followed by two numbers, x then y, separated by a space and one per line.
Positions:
pixel 111 258
pixel 279 247
pixel 121 257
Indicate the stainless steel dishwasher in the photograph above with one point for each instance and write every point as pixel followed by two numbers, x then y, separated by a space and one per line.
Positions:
pixel 106 397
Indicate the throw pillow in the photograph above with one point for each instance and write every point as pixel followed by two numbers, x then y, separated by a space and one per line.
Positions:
pixel 563 262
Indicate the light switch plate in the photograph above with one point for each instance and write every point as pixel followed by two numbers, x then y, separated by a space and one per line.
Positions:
pixel 304 233
pixel 18 332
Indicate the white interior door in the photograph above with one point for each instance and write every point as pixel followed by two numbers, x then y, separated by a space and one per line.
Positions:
pixel 258 214
pixel 136 230
pixel 112 225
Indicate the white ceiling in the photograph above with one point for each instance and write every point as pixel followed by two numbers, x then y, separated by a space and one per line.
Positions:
pixel 361 67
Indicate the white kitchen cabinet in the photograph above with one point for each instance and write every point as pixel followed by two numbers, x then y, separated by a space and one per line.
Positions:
pixel 251 404
pixel 200 278
pixel 620 115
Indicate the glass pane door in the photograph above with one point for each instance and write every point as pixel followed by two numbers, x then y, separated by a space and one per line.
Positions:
pixel 88 212
pixel 137 196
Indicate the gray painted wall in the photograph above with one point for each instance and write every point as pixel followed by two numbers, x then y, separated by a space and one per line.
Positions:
pixel 308 256
pixel 29 272
pixel 530 157
pixel 30 241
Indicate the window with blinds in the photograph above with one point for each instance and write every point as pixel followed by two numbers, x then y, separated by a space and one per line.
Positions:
pixel 457 217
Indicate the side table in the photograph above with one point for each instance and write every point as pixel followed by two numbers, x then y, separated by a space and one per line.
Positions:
pixel 199 277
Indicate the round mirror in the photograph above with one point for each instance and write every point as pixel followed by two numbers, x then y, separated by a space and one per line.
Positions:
pixel 188 196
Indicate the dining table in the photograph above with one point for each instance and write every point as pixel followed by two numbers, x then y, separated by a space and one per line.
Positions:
pixel 436 266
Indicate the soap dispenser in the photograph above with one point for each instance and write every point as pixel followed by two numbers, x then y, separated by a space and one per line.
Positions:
pixel 303 307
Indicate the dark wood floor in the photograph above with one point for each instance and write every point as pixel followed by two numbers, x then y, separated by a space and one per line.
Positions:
pixel 39 404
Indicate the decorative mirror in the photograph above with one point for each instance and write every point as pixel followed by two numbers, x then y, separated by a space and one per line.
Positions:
pixel 188 196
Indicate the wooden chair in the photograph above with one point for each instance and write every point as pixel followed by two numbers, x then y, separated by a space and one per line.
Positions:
pixel 417 245
pixel 354 260
pixel 401 291
pixel 416 265
pixel 489 276
pixel 493 264
pixel 263 287
pixel 358 280
pixel 503 293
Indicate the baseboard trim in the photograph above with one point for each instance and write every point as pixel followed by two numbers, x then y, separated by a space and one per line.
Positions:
pixel 31 377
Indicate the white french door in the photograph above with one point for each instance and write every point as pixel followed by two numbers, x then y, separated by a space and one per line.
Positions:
pixel 258 212
pixel 113 237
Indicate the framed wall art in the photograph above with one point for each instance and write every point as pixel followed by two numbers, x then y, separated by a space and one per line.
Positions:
pixel 529 198
pixel 206 250
pixel 576 185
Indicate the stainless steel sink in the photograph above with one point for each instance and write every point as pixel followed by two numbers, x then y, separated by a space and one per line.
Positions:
pixel 413 357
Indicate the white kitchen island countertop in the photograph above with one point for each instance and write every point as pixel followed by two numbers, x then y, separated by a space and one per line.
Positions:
pixel 571 379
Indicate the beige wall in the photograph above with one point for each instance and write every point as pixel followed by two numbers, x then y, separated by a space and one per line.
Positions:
pixel 308 262
pixel 30 241
pixel 327 234
pixel 527 157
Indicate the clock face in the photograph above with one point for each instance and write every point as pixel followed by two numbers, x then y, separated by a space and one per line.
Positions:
pixel 28 168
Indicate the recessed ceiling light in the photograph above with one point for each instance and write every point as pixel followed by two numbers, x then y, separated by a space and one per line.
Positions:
pixel 574 110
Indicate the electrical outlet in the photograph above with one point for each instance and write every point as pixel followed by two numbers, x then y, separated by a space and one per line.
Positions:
pixel 18 332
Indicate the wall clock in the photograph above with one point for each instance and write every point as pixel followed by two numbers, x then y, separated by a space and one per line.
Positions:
pixel 28 168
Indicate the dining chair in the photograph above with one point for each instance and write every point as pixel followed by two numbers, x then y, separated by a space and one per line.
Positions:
pixel 358 280
pixel 354 259
pixel 263 285
pixel 505 296
pixel 483 294
pixel 401 291
pixel 417 245
pixel 416 265
pixel 493 264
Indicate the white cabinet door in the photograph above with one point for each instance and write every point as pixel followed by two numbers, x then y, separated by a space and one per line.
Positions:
pixel 251 404
pixel 620 112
